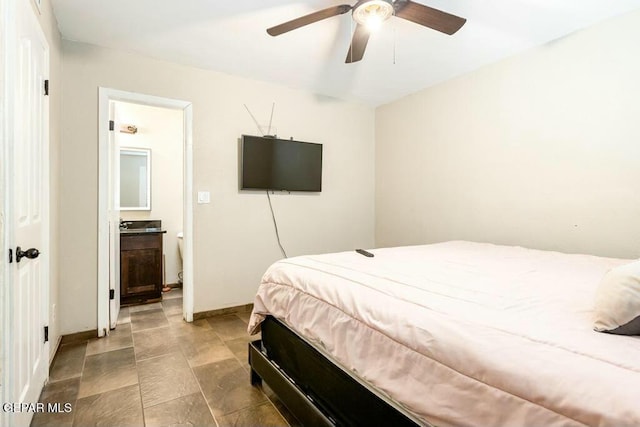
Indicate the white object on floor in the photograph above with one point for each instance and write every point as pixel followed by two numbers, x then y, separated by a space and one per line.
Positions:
pixel 180 243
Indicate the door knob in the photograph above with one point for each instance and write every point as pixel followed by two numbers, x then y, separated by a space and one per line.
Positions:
pixel 29 253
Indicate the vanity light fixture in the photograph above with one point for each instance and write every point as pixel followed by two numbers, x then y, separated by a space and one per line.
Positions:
pixel 131 129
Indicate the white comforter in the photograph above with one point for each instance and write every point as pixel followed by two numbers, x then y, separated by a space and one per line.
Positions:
pixel 462 333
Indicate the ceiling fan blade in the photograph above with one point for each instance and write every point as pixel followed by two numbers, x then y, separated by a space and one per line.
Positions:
pixel 358 44
pixel 428 16
pixel 308 19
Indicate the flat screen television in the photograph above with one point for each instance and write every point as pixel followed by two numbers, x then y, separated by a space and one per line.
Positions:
pixel 280 164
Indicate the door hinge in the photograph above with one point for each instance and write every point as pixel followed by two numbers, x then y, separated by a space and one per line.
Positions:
pixel 10 256
pixel 112 125
pixel 112 294
pixel 46 87
pixel 46 334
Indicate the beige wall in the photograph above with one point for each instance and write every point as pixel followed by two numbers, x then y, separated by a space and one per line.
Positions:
pixel 540 150
pixel 234 239
pixel 50 28
pixel 161 131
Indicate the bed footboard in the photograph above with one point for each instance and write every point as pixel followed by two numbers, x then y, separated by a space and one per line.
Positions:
pixel 312 388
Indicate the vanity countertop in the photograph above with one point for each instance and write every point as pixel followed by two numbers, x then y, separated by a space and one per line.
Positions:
pixel 141 227
pixel 141 230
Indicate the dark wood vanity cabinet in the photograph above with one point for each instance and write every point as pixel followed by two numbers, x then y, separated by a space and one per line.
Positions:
pixel 140 267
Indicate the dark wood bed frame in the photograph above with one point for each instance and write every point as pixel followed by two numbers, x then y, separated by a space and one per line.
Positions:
pixel 314 390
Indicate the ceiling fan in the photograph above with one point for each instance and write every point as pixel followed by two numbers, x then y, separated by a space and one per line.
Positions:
pixel 370 14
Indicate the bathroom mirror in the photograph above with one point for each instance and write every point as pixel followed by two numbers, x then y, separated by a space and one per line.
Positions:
pixel 135 179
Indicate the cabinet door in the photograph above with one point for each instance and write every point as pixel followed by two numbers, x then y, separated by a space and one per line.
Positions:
pixel 140 265
pixel 141 271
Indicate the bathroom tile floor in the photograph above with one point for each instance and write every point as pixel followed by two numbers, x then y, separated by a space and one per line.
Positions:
pixel 155 369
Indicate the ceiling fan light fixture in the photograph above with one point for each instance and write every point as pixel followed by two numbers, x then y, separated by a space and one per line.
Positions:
pixel 373 13
pixel 369 14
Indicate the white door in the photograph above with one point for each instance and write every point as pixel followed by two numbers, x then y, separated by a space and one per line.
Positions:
pixel 114 220
pixel 29 224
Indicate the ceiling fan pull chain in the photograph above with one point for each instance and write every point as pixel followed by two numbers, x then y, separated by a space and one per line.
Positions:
pixel 394 45
pixel 350 52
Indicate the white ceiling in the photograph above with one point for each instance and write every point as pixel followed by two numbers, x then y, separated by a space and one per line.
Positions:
pixel 230 36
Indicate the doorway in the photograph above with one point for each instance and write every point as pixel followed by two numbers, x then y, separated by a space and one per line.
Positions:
pixel 119 131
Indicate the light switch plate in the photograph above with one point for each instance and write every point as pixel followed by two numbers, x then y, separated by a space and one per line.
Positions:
pixel 204 197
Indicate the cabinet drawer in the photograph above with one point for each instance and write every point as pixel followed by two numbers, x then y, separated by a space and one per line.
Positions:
pixel 137 241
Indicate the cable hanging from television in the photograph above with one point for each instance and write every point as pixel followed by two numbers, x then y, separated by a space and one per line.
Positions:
pixel 268 134
pixel 275 225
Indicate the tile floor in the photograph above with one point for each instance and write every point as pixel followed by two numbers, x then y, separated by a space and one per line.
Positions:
pixel 155 369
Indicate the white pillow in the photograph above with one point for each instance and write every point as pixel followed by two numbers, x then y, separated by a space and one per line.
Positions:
pixel 617 304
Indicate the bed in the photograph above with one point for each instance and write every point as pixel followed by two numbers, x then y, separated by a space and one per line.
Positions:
pixel 449 334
